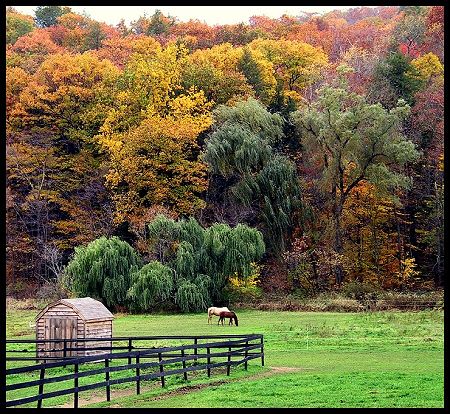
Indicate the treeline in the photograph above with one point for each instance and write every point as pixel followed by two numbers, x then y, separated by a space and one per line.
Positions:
pixel 322 133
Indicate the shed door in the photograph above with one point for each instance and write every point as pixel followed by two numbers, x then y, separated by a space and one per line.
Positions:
pixel 60 328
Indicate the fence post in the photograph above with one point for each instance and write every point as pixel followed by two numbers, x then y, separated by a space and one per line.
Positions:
pixel 65 350
pixel 184 365
pixel 41 387
pixel 108 387
pixel 246 355
pixel 195 351
pixel 130 346
pixel 229 360
pixel 138 373
pixel 209 361
pixel 75 394
pixel 161 370
pixel 262 351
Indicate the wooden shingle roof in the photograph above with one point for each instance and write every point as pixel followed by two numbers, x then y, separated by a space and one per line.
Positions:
pixel 87 309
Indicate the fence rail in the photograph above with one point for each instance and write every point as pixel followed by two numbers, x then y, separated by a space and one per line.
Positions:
pixel 241 348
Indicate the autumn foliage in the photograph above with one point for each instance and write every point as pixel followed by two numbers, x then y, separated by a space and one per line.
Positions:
pixel 322 132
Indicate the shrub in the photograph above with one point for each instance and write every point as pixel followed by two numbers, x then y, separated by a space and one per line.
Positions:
pixel 51 291
pixel 245 289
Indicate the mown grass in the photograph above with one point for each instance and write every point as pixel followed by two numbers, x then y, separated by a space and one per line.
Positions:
pixel 377 359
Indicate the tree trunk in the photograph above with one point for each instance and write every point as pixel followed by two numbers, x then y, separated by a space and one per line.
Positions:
pixel 337 212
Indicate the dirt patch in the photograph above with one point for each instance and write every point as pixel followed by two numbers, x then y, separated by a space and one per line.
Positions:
pixel 179 391
pixel 188 389
pixel 96 398
pixel 282 370
pixel 193 388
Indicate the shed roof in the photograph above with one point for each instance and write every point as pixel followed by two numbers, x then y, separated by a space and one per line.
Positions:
pixel 87 308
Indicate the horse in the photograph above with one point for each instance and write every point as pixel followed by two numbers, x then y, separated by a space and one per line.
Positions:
pixel 215 311
pixel 230 315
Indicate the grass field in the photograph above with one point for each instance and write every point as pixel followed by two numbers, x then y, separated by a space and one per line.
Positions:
pixel 312 359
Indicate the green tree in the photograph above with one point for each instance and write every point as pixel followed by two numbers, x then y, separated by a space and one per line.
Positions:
pixel 152 287
pixel 103 270
pixel 17 25
pixel 241 151
pixel 192 296
pixel 203 259
pixel 46 16
pixel 159 24
pixel 394 78
pixel 249 67
pixel 94 36
pixel 353 141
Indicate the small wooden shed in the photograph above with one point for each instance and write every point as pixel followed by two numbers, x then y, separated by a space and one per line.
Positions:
pixel 73 319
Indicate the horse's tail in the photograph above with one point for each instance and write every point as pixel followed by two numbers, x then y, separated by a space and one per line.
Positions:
pixel 235 319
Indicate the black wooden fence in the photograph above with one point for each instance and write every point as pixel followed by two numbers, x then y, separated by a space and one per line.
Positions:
pixel 228 350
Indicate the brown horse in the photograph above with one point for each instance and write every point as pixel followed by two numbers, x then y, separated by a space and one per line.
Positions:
pixel 230 315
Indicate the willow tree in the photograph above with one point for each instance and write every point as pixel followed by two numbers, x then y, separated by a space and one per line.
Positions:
pixel 205 259
pixel 192 295
pixel 152 287
pixel 240 151
pixel 102 270
pixel 353 141
pixel 229 251
pixel 162 233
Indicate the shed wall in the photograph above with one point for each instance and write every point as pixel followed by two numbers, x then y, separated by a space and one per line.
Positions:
pixel 59 311
pixel 98 329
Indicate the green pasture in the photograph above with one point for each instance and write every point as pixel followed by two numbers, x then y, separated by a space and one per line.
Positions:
pixel 312 359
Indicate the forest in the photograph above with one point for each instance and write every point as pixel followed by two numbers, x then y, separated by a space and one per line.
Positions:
pixel 170 164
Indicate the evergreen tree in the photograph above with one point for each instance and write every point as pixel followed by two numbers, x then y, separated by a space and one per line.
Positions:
pixel 248 66
pixel 46 16
pixel 394 78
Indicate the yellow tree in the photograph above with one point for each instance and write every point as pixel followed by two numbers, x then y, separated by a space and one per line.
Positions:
pixel 63 92
pixel 149 80
pixel 156 162
pixel 427 67
pixel 370 247
pixel 16 81
pixel 215 72
pixel 296 65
